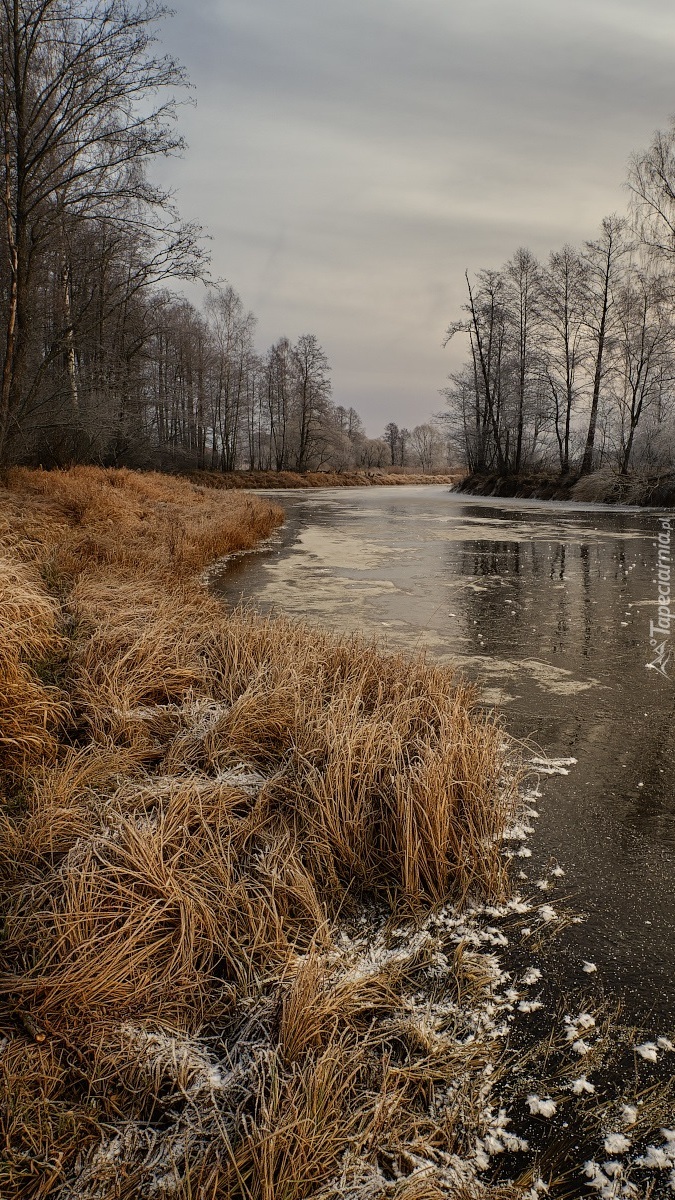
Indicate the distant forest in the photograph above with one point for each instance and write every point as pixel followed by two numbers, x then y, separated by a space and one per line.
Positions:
pixel 103 361
pixel 571 363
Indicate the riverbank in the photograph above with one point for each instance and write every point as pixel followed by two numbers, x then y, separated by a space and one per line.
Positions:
pixel 602 487
pixel 317 479
pixel 208 824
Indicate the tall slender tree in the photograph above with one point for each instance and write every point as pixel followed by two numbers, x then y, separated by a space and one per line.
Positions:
pixel 79 127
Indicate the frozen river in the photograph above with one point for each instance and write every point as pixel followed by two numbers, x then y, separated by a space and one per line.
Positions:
pixel 548 608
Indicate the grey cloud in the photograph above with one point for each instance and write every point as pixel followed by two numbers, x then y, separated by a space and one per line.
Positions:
pixel 352 157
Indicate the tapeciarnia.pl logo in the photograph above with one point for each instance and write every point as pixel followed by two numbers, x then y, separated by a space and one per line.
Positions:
pixel 659 631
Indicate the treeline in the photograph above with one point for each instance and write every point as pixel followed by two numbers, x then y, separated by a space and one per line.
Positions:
pixel 571 362
pixel 102 361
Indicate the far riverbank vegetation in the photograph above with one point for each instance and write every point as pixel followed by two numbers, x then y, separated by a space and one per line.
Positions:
pixel 569 385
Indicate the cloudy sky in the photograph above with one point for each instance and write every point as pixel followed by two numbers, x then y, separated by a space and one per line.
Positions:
pixel 350 158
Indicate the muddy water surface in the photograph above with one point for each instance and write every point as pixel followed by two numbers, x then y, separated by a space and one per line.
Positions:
pixel 547 607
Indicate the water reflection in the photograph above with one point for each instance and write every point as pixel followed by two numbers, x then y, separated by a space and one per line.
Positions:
pixel 548 609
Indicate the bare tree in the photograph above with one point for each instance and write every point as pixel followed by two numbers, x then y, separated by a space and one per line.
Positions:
pixel 564 304
pixel 392 436
pixel 312 395
pixel 79 127
pixel 486 325
pixel 427 446
pixel 523 276
pixel 647 354
pixel 651 180
pixel 603 259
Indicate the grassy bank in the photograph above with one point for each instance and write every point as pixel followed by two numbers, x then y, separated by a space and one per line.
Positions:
pixel 316 479
pixel 209 824
pixel 602 487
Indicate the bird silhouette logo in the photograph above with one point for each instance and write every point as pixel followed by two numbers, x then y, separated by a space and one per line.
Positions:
pixel 661 658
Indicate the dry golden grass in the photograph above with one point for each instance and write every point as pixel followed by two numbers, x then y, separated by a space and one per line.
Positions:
pixel 30 712
pixel 196 802
pixel 319 479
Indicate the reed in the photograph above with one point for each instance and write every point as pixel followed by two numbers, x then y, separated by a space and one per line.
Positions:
pixel 198 805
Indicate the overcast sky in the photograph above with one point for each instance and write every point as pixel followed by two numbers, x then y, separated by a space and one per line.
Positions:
pixel 350 158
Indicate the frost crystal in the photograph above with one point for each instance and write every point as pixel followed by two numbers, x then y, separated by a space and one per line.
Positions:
pixel 616 1143
pixel 584 1021
pixel 545 1108
pixel 579 1086
pixel 658 1157
pixel 529 1006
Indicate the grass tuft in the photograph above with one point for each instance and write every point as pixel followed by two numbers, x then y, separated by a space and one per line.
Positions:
pixel 197 806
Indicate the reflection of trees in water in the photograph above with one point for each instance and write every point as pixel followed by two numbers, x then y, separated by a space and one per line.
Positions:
pixel 580 619
pixel 578 626
pixel 488 559
pixel 586 600
pixel 501 570
pixel 558 562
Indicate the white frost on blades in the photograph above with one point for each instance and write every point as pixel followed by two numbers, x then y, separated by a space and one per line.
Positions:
pixel 498 1138
pixel 481 1020
pixel 542 1108
pixel 584 1021
pixel 648 1051
pixel 660 1157
pixel 242 777
pixel 656 1156
pixel 581 1085
pixel 609 1183
pixel 538 1189
pixel 530 1006
pixel 359 1180
pixel 375 956
pixel 547 913
pixel 517 832
pixel 515 905
pixel 617 1143
pixel 581 1047
pixel 184 1061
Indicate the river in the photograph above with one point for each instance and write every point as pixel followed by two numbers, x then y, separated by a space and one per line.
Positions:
pixel 547 607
